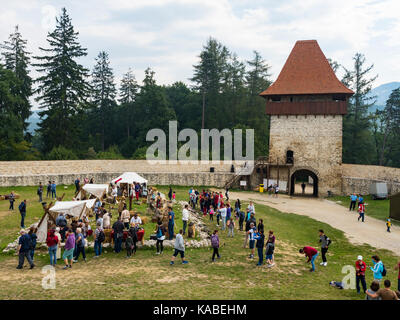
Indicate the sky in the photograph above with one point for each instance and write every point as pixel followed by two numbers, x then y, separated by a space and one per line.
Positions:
pixel 168 35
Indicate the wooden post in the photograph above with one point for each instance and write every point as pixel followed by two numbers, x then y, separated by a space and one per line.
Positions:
pixel 83 209
pixel 277 162
pixel 130 198
pixel 267 175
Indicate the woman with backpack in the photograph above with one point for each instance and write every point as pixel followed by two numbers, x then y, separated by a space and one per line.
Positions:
pixel 99 238
pixel 52 244
pixel 215 245
pixel 160 234
pixel 378 269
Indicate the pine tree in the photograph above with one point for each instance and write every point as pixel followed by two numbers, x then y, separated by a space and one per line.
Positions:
pixel 104 92
pixel 257 78
pixel 334 65
pixel 17 60
pixel 129 88
pixel 12 143
pixel 357 139
pixel 208 78
pixel 127 92
pixel 390 120
pixel 62 89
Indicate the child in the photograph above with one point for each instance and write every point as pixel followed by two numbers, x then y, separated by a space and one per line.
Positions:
pixel 388 224
pixel 361 211
pixel 252 241
pixel 231 227
pixel 269 255
pixel 173 196
pixel 211 213
pixel 270 247
pixel 129 245
pixel 215 245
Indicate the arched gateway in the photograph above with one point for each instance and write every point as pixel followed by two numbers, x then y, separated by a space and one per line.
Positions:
pixel 303 176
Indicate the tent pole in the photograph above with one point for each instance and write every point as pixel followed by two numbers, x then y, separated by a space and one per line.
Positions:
pixel 130 198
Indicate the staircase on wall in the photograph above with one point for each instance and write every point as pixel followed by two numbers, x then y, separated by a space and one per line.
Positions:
pixel 246 170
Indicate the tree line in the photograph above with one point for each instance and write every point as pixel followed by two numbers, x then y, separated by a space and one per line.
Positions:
pixel 84 114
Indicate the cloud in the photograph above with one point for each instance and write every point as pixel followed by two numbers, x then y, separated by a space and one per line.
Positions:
pixel 168 35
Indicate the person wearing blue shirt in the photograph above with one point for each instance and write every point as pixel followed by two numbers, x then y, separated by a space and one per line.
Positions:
pixel 377 269
pixel 171 223
pixel 23 250
pixel 53 190
pixel 77 184
pixel 353 200
pixel 360 199
pixel 22 211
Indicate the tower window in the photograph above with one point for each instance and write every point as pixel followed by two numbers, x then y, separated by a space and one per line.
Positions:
pixel 289 156
pixel 339 97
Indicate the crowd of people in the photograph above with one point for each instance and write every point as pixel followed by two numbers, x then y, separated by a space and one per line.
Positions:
pixel 207 202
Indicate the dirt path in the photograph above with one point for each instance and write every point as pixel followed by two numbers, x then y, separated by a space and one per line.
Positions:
pixel 372 231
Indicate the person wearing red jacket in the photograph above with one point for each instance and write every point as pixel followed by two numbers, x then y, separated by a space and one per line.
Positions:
pixel 361 211
pixel 312 254
pixel 360 274
pixel 52 243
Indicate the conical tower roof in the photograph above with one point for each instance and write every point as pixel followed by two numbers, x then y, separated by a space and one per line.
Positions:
pixel 306 71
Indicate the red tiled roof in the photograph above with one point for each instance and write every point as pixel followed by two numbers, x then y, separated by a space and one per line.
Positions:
pixel 306 71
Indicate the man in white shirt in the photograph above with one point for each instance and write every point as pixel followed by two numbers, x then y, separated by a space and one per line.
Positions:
pixel 99 221
pixel 106 221
pixel 125 216
pixel 114 193
pixel 251 208
pixel 185 217
pixel 223 216
pixel 136 219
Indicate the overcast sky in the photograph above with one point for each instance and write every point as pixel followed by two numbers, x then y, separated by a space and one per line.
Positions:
pixel 168 35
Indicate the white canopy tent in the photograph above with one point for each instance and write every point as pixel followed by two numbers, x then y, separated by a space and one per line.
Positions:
pixel 71 208
pixel 96 190
pixel 129 178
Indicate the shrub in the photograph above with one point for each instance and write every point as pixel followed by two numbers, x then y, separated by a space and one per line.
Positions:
pixel 61 153
pixel 111 153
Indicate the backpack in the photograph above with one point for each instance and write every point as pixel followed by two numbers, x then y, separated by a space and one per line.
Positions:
pixel 101 237
pixel 328 240
pixel 214 241
pixel 383 270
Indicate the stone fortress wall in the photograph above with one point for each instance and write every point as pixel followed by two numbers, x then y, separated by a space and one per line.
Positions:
pixel 355 178
pixel 28 173
pixel 316 141
pixel 358 178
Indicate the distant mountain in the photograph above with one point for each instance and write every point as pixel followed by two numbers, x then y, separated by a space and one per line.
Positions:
pixel 382 93
pixel 33 120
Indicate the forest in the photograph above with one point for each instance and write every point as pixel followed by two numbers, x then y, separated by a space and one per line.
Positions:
pixel 85 114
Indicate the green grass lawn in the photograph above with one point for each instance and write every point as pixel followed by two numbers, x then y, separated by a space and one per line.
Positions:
pixel 378 209
pixel 149 276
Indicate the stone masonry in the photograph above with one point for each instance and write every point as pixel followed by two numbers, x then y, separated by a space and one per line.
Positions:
pixel 316 141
